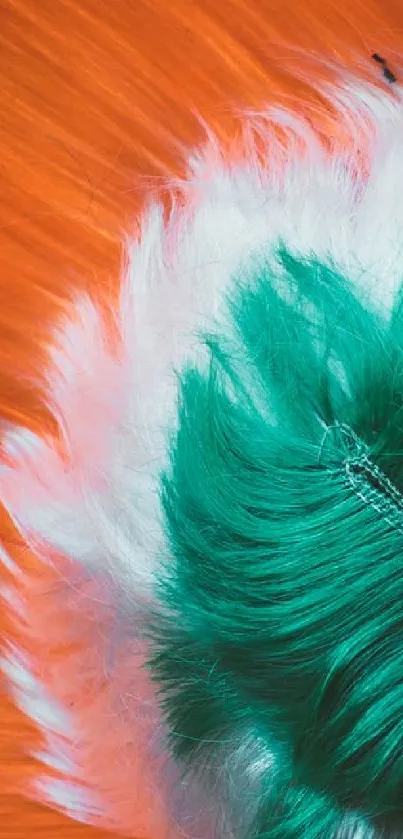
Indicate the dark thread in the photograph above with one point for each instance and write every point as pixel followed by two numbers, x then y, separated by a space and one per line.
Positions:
pixel 378 58
pixel 387 73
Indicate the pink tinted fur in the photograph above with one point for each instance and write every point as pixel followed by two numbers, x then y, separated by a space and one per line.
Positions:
pixel 109 711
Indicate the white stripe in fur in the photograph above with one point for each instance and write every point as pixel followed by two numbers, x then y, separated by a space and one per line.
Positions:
pixel 99 504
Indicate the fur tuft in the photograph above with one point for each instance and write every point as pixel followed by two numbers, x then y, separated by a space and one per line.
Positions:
pixel 257 575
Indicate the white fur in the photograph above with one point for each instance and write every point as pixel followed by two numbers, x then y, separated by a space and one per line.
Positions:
pixel 70 798
pixel 30 695
pixel 94 496
pixel 174 285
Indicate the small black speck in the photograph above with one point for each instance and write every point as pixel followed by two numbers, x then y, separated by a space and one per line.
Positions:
pixel 388 75
pixel 378 58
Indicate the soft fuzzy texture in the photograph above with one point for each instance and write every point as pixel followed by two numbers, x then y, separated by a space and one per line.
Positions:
pixel 219 571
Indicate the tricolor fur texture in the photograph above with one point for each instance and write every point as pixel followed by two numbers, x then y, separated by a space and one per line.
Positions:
pixel 215 621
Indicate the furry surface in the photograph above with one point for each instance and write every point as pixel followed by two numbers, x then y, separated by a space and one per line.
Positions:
pixel 113 560
pixel 269 637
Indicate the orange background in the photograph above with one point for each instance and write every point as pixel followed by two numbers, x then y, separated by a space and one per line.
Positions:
pixel 97 103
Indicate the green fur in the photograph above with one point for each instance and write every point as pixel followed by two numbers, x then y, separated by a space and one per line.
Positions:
pixel 281 616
